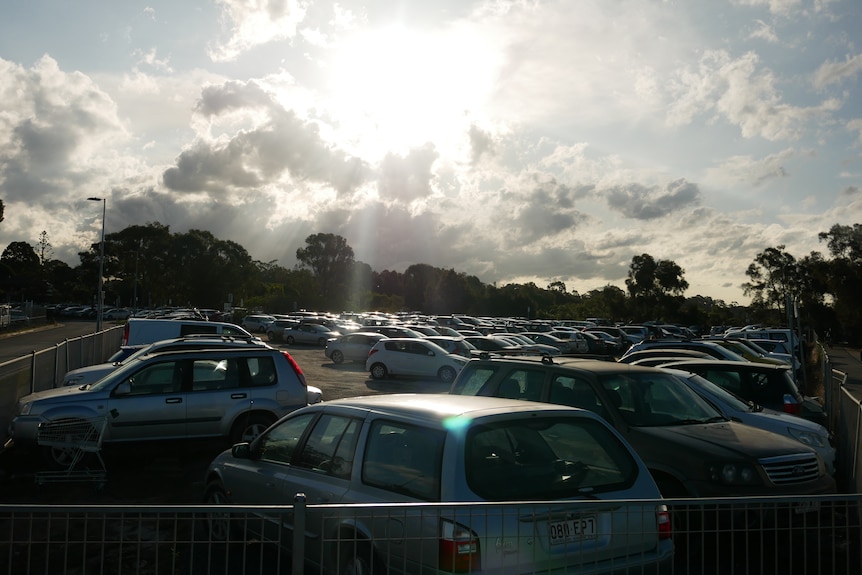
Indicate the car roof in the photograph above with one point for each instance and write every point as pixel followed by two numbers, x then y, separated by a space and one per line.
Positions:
pixel 592 365
pixel 728 364
pixel 440 407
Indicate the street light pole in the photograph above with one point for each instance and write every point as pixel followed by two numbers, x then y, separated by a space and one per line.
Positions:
pixel 100 295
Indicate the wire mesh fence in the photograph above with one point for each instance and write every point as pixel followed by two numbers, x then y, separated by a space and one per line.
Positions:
pixel 813 535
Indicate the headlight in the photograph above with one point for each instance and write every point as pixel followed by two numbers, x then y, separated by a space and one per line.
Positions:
pixel 808 438
pixel 733 473
pixel 25 408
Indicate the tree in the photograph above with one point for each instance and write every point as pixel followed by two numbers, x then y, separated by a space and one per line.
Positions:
pixel 330 259
pixel 45 249
pixel 655 287
pixel 23 277
pixel 774 277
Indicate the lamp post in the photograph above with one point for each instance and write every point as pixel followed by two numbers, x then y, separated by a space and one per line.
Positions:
pixel 99 295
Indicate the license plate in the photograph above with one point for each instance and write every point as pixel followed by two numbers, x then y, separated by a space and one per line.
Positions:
pixel 806 507
pixel 572 530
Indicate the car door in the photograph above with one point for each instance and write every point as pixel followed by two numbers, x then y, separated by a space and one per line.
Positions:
pixel 150 403
pixel 420 359
pixel 355 347
pixel 216 392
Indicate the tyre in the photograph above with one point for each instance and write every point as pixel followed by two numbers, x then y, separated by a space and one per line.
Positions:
pixel 60 456
pixel 379 371
pixel 270 335
pixel 290 340
pixel 337 356
pixel 357 558
pixel 218 524
pixel 447 374
pixel 248 427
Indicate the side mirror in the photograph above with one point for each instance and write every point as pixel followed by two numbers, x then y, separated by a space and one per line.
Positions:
pixel 241 451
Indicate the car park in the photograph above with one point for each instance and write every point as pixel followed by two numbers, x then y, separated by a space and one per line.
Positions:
pixel 309 333
pixel 205 393
pixel 689 446
pixel 440 448
pixel 527 344
pixel 771 386
pixel 491 344
pixel 577 341
pixel 352 346
pixel 663 354
pixel 393 330
pixel 412 357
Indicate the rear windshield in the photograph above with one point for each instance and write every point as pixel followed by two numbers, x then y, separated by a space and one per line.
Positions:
pixel 545 459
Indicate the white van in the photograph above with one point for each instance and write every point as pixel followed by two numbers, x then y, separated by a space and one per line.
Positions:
pixel 140 331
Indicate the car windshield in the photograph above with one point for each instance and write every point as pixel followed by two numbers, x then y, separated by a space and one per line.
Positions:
pixel 731 399
pixel 656 399
pixel 544 459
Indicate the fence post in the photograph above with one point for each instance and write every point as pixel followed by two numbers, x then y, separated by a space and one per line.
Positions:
pixel 298 554
pixel 33 371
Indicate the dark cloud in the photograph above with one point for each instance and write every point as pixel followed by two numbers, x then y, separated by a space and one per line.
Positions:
pixel 409 177
pixel 544 210
pixel 283 144
pixel 646 203
pixel 216 100
pixel 481 143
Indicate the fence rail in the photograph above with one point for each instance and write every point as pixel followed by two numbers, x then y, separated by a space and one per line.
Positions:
pixel 739 536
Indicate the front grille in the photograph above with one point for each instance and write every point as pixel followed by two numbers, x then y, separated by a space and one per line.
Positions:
pixel 790 469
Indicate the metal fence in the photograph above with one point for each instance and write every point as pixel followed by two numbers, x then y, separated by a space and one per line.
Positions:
pixel 738 536
pixel 40 370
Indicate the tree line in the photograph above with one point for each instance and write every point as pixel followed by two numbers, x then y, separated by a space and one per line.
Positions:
pixel 149 266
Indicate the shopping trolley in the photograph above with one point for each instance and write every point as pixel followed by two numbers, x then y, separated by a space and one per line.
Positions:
pixel 77 439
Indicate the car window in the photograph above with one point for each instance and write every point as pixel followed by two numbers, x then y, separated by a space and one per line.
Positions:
pixel 729 380
pixel 280 442
pixel 649 399
pixel 261 371
pixel 330 446
pixel 187 329
pixel 472 379
pixel 526 384
pixel 546 459
pixel 404 459
pixel 576 392
pixel 156 378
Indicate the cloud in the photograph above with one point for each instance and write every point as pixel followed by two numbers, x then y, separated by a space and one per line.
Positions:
pixel 251 23
pixel 53 130
pixel 778 7
pixel 748 170
pixel 407 178
pixel 281 145
pixel 640 202
pixel 744 94
pixel 836 72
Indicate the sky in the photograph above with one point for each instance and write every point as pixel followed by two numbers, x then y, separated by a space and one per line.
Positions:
pixel 511 140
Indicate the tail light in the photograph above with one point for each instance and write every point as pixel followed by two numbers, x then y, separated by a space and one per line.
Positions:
pixel 662 517
pixel 790 404
pixel 296 368
pixel 459 549
pixel 126 334
pixel 372 351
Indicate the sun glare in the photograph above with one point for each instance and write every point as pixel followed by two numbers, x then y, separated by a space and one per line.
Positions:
pixel 408 87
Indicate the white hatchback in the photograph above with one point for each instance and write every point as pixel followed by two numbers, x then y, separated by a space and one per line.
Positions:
pixel 413 356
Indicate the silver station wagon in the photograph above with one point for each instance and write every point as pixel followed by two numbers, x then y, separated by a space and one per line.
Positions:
pixel 565 468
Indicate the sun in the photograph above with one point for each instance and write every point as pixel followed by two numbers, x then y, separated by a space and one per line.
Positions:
pixel 401 88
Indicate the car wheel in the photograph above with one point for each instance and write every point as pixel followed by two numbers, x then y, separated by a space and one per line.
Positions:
pixel 248 427
pixel 356 558
pixel 218 524
pixel 446 374
pixel 290 340
pixel 270 335
pixel 337 356
pixel 64 453
pixel 378 371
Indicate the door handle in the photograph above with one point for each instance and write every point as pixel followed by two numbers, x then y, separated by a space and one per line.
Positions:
pixel 174 400
pixel 238 395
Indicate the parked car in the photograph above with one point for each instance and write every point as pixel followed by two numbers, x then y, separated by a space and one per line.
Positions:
pixel 116 313
pixel 414 357
pixel 575 339
pixel 139 331
pixel 490 344
pixel 392 330
pixel 256 323
pixel 309 333
pixel 456 345
pixel 229 393
pixel 351 347
pixel 440 448
pixel 527 344
pixel 747 352
pixel 93 373
pixel 691 449
pixel 666 354
pixel 735 408
pixel 617 336
pixel 771 386
pixel 708 347
pixel 275 328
